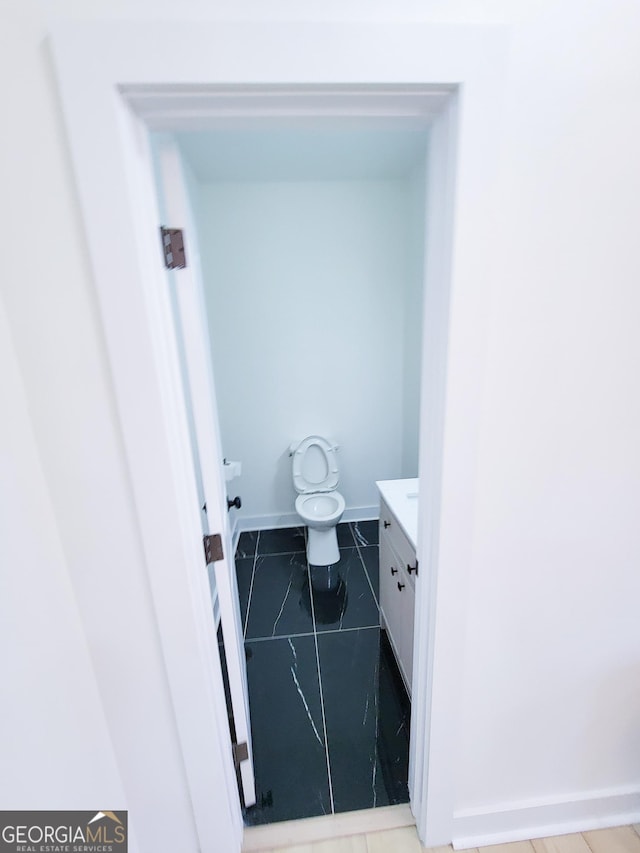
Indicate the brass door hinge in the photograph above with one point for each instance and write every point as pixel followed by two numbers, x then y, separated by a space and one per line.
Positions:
pixel 173 248
pixel 240 753
pixel 213 548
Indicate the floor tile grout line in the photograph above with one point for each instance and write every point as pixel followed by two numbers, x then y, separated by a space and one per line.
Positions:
pixel 364 565
pixel 279 637
pixel 300 553
pixel 364 544
pixel 350 526
pixel 324 719
pixel 366 572
pixel 281 553
pixel 253 574
pixel 311 633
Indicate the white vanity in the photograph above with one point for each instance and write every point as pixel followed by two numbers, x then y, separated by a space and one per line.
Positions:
pixel 399 566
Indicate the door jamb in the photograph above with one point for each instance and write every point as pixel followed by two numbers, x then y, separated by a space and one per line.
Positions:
pixel 441 163
pixel 440 182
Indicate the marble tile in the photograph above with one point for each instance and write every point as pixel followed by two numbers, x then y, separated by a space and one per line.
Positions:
pixel 247 544
pixel 280 600
pixel 288 735
pixel 365 532
pixel 351 603
pixel 394 710
pixel 287 540
pixel 345 536
pixel 244 571
pixel 371 557
pixel 349 670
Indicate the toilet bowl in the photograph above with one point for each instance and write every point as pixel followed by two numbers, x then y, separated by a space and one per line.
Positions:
pixel 315 477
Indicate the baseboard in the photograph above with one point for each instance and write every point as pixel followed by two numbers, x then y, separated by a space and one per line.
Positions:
pixel 292 519
pixel 519 821
pixel 315 829
pixel 362 513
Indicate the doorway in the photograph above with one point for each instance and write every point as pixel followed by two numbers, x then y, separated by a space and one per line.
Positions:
pixel 108 115
pixel 312 246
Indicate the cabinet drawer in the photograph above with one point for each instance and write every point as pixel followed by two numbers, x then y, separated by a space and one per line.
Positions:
pixel 390 527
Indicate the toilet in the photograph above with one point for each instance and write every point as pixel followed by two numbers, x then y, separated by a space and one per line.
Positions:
pixel 319 505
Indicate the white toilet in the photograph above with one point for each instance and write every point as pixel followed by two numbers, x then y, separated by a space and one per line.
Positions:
pixel 319 505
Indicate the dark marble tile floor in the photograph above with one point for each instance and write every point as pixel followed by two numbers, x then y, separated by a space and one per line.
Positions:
pixel 329 712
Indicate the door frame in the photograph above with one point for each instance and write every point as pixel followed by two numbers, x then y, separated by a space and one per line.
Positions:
pixel 113 80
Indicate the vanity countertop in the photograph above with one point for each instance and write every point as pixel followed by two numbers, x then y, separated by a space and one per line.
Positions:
pixel 401 496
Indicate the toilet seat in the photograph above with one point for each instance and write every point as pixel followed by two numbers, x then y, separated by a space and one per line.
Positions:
pixel 320 509
pixel 315 466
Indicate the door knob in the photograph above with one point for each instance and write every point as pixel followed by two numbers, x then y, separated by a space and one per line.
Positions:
pixel 236 502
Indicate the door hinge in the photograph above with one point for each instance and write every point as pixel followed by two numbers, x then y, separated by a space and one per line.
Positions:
pixel 240 753
pixel 173 248
pixel 213 548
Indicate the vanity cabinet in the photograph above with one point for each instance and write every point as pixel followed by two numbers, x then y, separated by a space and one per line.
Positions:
pixel 398 570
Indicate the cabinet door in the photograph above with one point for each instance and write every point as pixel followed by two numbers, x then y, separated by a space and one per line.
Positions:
pixel 389 600
pixel 405 609
pixel 397 602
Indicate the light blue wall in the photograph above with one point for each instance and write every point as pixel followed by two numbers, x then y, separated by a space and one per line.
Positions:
pixel 413 321
pixel 312 295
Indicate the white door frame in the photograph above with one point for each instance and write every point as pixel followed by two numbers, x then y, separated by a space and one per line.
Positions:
pixel 110 75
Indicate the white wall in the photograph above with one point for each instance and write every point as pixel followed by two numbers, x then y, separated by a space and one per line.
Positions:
pixel 551 701
pixel 412 327
pixel 550 706
pixel 53 319
pixel 55 744
pixel 307 285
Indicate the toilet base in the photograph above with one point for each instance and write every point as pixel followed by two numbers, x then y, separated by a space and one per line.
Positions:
pixel 322 546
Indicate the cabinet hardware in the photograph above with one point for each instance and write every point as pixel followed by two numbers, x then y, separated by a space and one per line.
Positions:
pixel 412 568
pixel 400 586
pixel 394 571
pixel 387 524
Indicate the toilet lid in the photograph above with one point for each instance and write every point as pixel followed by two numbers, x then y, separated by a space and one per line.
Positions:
pixel 315 466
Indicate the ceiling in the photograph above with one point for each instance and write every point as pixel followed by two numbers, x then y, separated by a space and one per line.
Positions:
pixel 304 153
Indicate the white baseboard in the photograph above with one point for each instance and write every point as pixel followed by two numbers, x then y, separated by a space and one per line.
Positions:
pixel 292 519
pixel 519 821
pixel 362 513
